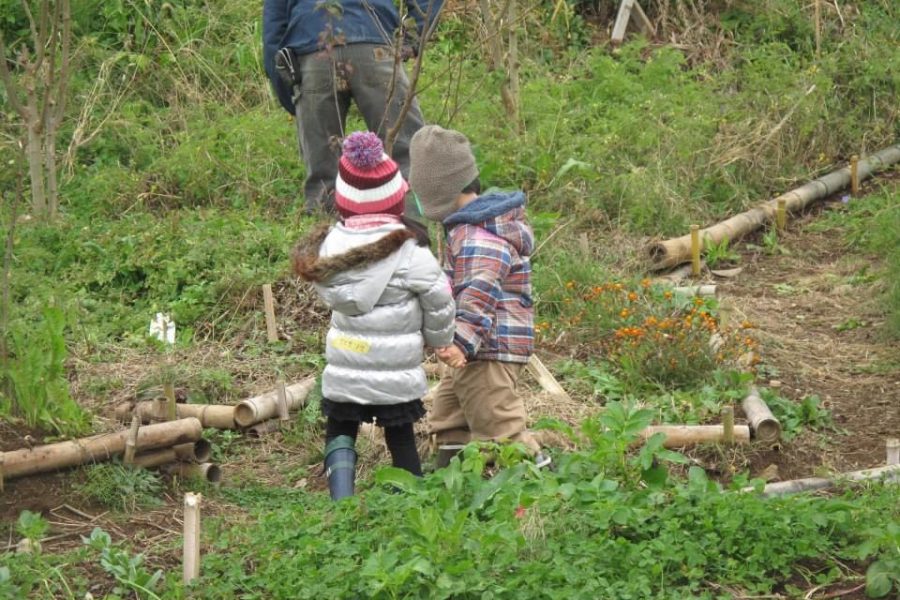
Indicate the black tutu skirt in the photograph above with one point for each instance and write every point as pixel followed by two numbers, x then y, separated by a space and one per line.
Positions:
pixel 384 415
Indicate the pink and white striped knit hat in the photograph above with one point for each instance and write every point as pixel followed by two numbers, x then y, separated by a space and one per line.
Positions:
pixel 368 181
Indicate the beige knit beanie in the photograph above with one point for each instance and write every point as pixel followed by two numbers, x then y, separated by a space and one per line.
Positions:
pixel 441 164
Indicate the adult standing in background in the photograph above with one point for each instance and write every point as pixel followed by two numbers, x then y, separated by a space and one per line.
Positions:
pixel 320 55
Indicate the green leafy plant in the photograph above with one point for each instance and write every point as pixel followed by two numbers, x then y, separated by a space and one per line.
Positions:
pixel 883 574
pixel 797 416
pixel 719 254
pixel 127 569
pixel 120 487
pixel 31 526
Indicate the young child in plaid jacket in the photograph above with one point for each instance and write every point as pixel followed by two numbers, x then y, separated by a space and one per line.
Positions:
pixel 487 260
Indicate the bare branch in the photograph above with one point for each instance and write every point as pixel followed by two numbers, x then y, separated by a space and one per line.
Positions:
pixel 13 89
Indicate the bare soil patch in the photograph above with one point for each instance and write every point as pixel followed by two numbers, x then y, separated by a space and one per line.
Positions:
pixel 820 326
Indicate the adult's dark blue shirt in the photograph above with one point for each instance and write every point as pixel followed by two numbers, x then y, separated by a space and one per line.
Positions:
pixel 306 26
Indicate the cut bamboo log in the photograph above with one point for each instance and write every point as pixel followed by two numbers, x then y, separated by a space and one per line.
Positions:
pixel 892 448
pixel 763 424
pixel 219 416
pixel 546 379
pixel 198 452
pixel 98 448
pixel 191 537
pixel 673 252
pixel 264 407
pixel 688 435
pixel 890 473
pixel 704 291
pixel 205 471
pixel 264 428
pixel 131 441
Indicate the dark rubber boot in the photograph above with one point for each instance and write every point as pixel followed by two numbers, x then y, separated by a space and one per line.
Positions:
pixel 445 454
pixel 340 466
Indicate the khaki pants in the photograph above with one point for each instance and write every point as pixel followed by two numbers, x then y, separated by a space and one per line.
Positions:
pixel 481 402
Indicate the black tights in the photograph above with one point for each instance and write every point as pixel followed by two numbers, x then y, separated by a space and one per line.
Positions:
pixel 401 441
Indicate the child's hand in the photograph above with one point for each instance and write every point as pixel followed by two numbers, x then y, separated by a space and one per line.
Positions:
pixel 452 356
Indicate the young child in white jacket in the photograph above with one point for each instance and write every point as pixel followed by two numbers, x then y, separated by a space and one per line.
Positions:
pixel 389 299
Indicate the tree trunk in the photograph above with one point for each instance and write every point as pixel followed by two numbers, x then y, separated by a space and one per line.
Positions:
pixel 35 155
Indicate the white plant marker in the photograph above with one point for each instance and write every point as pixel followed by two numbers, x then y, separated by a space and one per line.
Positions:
pixel 162 327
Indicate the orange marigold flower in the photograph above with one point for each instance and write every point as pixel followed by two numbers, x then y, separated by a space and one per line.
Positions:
pixel 746 325
pixel 645 283
pixel 570 284
pixel 632 296
pixel 624 314
pixel 698 301
pixel 667 295
pixel 650 321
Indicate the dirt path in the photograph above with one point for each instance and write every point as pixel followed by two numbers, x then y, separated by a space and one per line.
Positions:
pixel 820 325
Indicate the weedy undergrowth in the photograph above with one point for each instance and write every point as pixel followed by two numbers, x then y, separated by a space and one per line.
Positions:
pixel 121 487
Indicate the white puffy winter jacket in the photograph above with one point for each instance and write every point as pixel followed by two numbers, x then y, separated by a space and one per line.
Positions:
pixel 389 298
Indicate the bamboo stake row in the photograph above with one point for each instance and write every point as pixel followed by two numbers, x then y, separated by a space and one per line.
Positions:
pixel 675 251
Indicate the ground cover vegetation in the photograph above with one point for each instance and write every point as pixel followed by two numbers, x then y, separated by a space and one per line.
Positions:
pixel 179 193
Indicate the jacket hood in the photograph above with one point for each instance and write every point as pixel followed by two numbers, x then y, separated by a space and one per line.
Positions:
pixel 351 281
pixel 500 213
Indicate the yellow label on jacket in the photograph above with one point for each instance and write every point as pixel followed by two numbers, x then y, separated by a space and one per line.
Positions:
pixel 351 344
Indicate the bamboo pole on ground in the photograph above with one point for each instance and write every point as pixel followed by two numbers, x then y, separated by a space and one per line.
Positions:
pixel 545 378
pixel 687 435
pixel 763 424
pixel 890 473
pixel 198 452
pixel 191 537
pixel 704 291
pixel 219 416
pixel 205 471
pixel 673 252
pixel 50 457
pixel 264 407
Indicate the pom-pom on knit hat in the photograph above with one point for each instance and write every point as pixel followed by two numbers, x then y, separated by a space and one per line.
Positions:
pixel 441 165
pixel 368 180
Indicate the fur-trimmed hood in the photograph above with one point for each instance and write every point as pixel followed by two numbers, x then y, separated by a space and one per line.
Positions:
pixel 352 268
pixel 310 266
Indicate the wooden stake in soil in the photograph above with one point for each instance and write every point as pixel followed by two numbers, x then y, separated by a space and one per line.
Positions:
pixel 854 175
pixel 763 424
pixel 818 10
pixel 283 413
pixel 191 537
pixel 892 445
pixel 269 301
pixel 171 408
pixel 131 441
pixel 695 250
pixel 781 215
pixel 1 474
pixel 728 424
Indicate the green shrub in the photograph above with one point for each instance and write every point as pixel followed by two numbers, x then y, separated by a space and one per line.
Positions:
pixel 35 375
